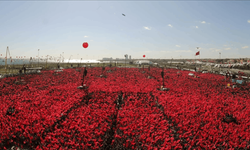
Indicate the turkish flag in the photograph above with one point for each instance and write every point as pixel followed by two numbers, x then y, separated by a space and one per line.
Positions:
pixel 198 53
pixel 143 55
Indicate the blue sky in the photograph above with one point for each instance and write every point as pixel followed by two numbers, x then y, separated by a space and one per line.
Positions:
pixel 162 29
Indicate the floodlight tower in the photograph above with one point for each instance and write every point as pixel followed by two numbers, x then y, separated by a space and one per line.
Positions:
pixel 125 62
pixel 38 57
pixel 7 52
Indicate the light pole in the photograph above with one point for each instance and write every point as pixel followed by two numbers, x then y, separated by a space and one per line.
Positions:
pixel 69 59
pixel 171 61
pixel 63 60
pixel 46 61
pixel 77 59
pixel 195 56
pixel 125 63
pixel 38 57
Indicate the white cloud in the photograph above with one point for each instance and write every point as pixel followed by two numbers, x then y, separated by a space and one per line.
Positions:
pixel 170 25
pixel 147 28
pixel 227 48
pixel 148 51
pixel 177 45
pixel 245 47
pixel 196 27
pixel 248 21
pixel 85 36
pixel 203 22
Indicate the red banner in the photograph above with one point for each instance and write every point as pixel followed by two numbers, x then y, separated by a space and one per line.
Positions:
pixel 198 53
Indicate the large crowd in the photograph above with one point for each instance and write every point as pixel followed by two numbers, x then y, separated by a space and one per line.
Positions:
pixel 123 109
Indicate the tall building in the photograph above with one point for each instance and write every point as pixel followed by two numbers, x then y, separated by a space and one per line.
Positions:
pixel 130 57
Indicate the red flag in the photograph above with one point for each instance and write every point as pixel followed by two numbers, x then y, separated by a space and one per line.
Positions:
pixel 198 53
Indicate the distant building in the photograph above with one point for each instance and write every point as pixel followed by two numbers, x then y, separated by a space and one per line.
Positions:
pixel 107 59
pixel 130 57
pixel 143 62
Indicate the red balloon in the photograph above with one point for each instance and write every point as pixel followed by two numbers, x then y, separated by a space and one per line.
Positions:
pixel 144 56
pixel 85 44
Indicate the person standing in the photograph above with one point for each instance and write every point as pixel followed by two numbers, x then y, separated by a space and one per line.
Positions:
pixel 84 75
pixel 233 77
pixel 228 75
pixel 85 71
pixel 24 69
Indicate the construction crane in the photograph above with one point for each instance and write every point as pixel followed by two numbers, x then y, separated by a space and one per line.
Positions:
pixel 7 52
